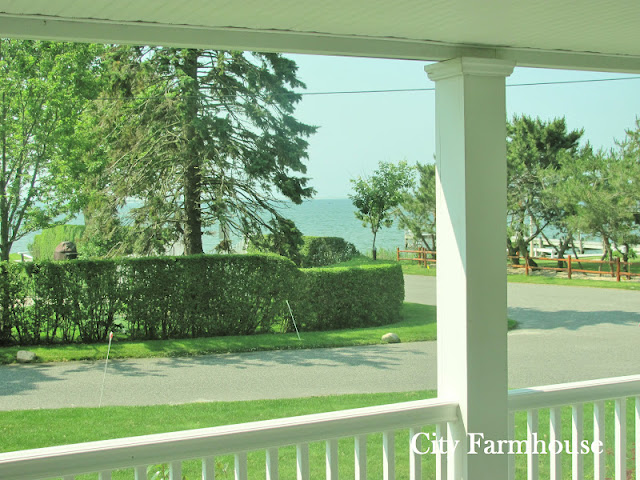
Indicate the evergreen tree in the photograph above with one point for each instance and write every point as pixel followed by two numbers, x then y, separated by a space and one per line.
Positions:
pixel 202 137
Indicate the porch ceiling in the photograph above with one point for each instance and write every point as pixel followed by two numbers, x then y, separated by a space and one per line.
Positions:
pixel 591 34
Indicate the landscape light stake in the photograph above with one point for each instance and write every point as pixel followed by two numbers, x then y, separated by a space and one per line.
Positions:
pixel 105 368
pixel 294 320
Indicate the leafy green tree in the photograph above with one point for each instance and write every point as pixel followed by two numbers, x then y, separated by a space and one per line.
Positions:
pixel 602 189
pixel 377 196
pixel 417 212
pixel 44 87
pixel 533 154
pixel 202 138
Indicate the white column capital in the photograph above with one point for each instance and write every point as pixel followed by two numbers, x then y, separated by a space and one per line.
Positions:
pixel 487 67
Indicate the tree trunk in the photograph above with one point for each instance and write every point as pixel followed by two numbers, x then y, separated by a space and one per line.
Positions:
pixel 373 251
pixel 193 173
pixel 513 251
pixel 5 246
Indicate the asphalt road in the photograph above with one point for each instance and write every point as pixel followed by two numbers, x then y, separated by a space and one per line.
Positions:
pixel 565 334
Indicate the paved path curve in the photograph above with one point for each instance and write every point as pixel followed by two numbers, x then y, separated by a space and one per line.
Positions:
pixel 565 334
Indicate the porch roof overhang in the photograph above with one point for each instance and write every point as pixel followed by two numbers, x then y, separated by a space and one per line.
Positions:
pixel 589 35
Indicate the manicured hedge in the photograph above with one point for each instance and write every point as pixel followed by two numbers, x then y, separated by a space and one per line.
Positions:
pixel 195 296
pixel 364 296
pixel 207 295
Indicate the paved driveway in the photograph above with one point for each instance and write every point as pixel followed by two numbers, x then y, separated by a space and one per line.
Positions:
pixel 565 334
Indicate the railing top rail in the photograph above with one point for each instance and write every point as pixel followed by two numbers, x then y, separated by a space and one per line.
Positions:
pixel 129 452
pixel 573 393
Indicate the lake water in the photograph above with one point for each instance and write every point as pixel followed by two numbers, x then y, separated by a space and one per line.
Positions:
pixel 322 218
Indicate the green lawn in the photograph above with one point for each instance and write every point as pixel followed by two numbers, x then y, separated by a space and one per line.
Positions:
pixel 418 324
pixel 24 430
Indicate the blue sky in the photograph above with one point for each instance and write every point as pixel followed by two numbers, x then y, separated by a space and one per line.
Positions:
pixel 356 131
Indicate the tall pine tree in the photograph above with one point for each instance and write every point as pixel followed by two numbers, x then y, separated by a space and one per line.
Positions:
pixel 202 137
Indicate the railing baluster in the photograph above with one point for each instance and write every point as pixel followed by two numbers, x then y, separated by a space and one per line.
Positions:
pixel 104 476
pixel 598 436
pixel 512 436
pixel 332 459
pixel 272 464
pixel 241 466
pixel 555 435
pixel 577 428
pixel 360 450
pixel 441 460
pixel 621 439
pixel 209 468
pixel 415 460
pixel 532 432
pixel 302 460
pixel 140 473
pixel 388 456
pixel 175 471
pixel 637 426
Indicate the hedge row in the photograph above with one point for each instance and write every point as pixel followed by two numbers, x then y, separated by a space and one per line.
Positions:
pixel 196 296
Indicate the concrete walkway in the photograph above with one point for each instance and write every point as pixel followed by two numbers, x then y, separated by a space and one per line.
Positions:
pixel 565 334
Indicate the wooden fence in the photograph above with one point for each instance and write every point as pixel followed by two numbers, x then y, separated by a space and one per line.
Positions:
pixel 614 268
pixel 422 256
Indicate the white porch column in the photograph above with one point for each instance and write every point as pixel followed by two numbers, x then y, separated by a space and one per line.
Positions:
pixel 471 244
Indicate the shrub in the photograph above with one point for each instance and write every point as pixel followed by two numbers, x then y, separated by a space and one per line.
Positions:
pixel 323 251
pixel 72 299
pixel 45 243
pixel 207 295
pixel 335 298
pixel 194 296
pixel 13 299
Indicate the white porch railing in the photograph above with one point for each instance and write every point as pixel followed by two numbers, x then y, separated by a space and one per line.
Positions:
pixel 576 395
pixel 137 453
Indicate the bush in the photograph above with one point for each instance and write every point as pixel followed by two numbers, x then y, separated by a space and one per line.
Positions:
pixel 323 251
pixel 336 298
pixel 13 299
pixel 45 243
pixel 195 296
pixel 207 295
pixel 313 252
pixel 72 299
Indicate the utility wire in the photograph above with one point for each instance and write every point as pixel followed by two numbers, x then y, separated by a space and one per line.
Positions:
pixel 394 90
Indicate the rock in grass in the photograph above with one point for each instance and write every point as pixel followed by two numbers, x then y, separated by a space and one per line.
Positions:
pixel 25 356
pixel 390 338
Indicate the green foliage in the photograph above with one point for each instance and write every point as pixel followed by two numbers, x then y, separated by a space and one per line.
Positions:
pixel 323 251
pixel 204 138
pixel 45 243
pixel 534 152
pixel 335 298
pixel 13 299
pixel 44 87
pixel 602 189
pixel 207 295
pixel 285 240
pixel 376 196
pixel 193 296
pixel 417 212
pixel 307 251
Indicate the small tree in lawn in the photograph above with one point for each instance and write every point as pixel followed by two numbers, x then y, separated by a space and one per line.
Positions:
pixel 376 196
